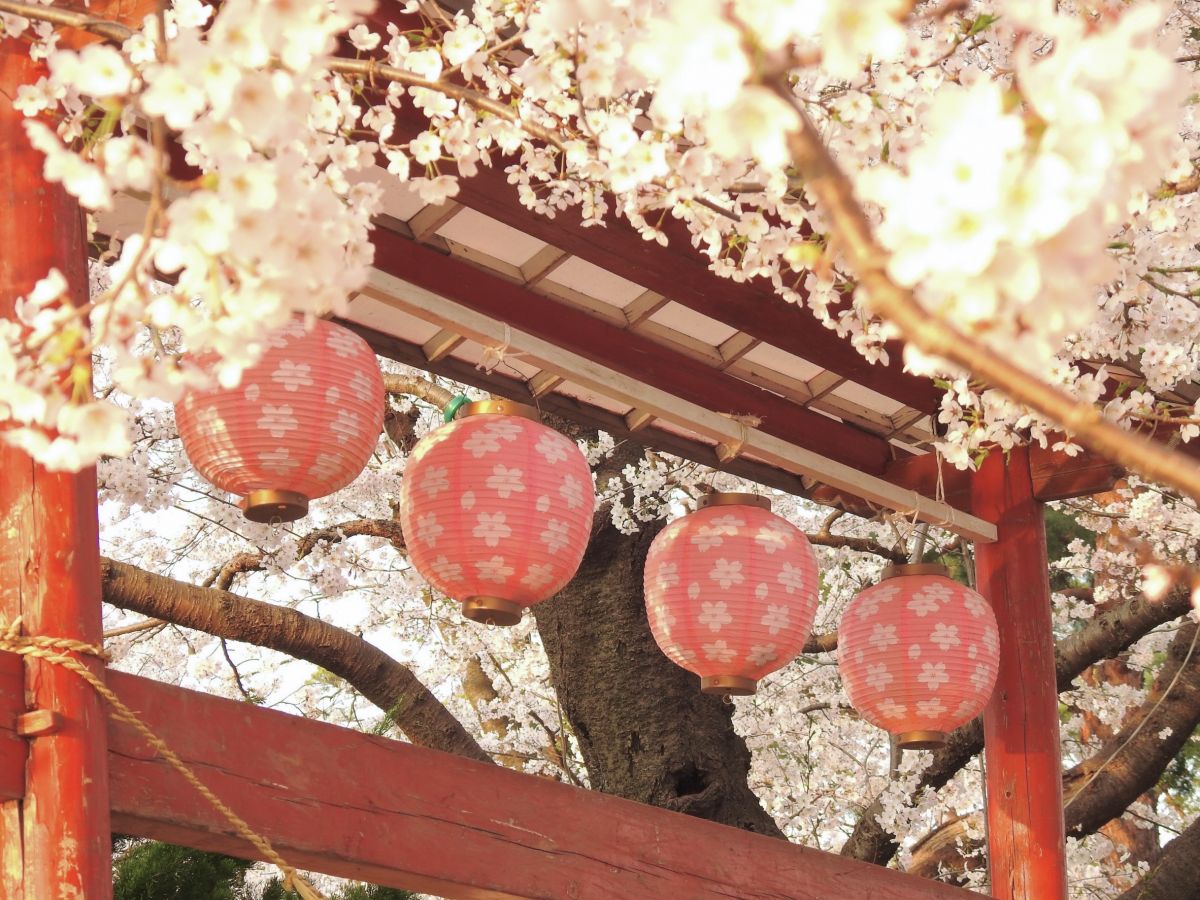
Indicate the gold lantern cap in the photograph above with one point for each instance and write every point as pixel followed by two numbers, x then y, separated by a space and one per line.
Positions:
pixel 728 685
pixel 921 740
pixel 492 611
pixel 735 498
pixel 270 505
pixel 499 408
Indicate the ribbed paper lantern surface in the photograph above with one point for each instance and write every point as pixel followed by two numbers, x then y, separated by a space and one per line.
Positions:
pixel 918 654
pixel 301 425
pixel 496 510
pixel 731 592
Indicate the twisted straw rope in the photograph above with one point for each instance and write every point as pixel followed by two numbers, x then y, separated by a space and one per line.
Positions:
pixel 53 650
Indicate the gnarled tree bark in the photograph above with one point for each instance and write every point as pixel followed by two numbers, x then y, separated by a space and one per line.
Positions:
pixel 373 673
pixel 645 731
pixel 1175 874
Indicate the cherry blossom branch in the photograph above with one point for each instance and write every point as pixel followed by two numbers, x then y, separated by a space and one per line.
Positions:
pixel 935 337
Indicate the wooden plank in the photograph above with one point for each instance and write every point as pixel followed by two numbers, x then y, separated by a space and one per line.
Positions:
pixel 429 821
pixel 58 841
pixel 621 351
pixel 1022 746
pixel 696 415
pixel 13 749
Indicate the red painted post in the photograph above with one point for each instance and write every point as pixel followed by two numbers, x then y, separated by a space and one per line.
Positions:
pixel 1026 847
pixel 56 841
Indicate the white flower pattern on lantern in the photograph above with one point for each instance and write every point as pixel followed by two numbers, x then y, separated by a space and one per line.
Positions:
pixel 346 425
pixel 883 636
pixel 326 465
pixel 333 396
pixel 436 480
pixel 543 504
pixel 773 537
pixel 914 651
pixel 429 529
pixel 792 578
pixel 727 525
pixel 776 619
pixel 933 675
pixel 553 448
pixel 944 636
pixel 252 392
pixel 538 576
pixel 504 429
pixel 277 420
pixel 292 375
pixel 727 572
pixel 976 605
pixel 719 651
pixel 715 615
pixel 446 569
pixel 878 676
pixel 467 501
pixel 922 605
pixel 934 707
pixel 668 576
pixel 693 590
pixel 494 570
pixel 481 443
pixel 707 537
pixel 505 481
pixel 572 492
pixel 278 460
pixel 982 675
pixel 492 528
pixel 556 535
pixel 663 618
pixel 761 654
pixel 890 709
pixel 344 343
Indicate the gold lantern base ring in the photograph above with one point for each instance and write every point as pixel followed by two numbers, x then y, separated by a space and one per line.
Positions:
pixel 274 506
pixel 728 685
pixel 492 611
pixel 921 740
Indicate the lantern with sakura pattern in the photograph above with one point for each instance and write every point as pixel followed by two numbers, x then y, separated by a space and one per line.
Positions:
pixel 731 592
pixel 496 510
pixel 302 423
pixel 918 654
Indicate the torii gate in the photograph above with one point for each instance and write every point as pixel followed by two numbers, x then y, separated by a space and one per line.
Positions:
pixel 428 821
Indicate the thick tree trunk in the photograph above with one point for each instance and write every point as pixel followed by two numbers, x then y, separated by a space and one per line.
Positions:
pixel 373 673
pixel 645 730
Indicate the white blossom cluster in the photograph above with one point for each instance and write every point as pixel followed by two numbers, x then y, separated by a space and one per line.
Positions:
pixel 1027 164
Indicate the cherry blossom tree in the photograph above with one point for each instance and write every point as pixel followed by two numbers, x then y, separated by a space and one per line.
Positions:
pixel 1008 186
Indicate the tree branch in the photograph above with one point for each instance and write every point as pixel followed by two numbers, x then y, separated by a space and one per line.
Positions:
pixel 1175 873
pixel 931 335
pixel 374 674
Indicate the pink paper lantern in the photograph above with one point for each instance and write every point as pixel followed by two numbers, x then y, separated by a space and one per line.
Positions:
pixel 496 510
pixel 301 425
pixel 918 654
pixel 731 592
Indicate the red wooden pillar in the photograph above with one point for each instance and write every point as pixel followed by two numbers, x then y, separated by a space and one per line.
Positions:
pixel 1026 846
pixel 55 843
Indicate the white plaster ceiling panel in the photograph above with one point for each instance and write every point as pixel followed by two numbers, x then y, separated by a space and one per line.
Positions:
pixel 694 324
pixel 580 275
pixel 382 317
pixel 771 357
pixel 864 396
pixel 493 238
pixel 579 392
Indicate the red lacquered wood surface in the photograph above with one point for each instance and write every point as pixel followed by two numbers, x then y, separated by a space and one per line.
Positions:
pixel 56 841
pixel 339 801
pixel 1021 738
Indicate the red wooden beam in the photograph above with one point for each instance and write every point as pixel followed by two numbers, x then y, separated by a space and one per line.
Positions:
pixel 56 841
pixel 433 822
pixel 626 351
pixel 1021 739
